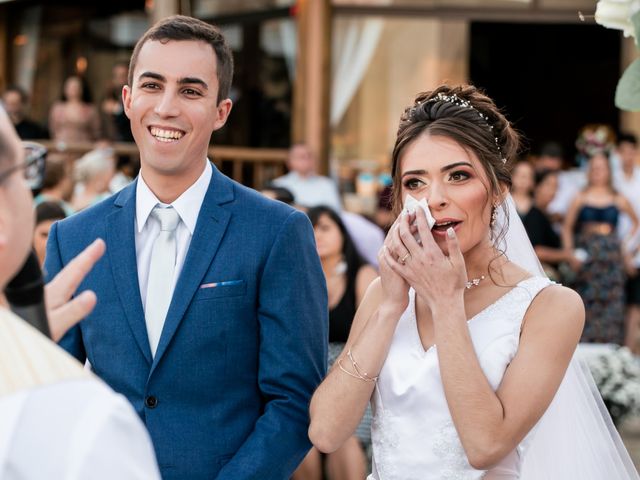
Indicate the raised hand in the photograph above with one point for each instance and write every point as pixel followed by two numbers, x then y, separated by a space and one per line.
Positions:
pixel 62 311
pixel 435 276
pixel 394 286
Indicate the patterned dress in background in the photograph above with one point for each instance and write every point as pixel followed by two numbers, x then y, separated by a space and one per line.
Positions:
pixel 601 280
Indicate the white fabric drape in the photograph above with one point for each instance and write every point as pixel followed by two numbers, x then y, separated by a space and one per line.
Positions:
pixel 288 37
pixel 354 43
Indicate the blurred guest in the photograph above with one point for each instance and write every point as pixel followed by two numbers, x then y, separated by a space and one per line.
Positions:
pixel 570 182
pixel 57 185
pixel 46 214
pixel 590 228
pixel 74 118
pixel 531 206
pixel 627 182
pixel 523 177
pixel 117 125
pixel 124 174
pixel 311 190
pixel 348 276
pixel 549 157
pixel 93 173
pixel 545 241
pixel 308 187
pixel 15 101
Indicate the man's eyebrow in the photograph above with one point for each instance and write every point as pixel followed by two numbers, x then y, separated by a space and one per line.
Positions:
pixel 155 76
pixel 196 80
pixel 181 81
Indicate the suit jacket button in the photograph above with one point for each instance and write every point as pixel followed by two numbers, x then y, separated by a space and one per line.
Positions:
pixel 151 401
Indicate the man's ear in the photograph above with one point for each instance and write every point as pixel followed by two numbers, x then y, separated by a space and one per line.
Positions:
pixel 223 110
pixel 126 99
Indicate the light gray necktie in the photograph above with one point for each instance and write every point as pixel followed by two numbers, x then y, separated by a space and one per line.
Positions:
pixel 161 269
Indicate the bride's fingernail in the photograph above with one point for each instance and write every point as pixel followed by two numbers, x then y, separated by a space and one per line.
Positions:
pixel 450 232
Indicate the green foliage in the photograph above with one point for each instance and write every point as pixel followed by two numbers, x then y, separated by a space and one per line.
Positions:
pixel 628 90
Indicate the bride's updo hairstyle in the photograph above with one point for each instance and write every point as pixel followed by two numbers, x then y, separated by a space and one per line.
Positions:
pixel 470 118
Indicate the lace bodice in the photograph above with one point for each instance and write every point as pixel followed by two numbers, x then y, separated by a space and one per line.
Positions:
pixel 412 432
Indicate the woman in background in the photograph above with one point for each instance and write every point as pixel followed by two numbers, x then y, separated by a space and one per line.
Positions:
pixel 590 229
pixel 532 193
pixel 74 118
pixel 348 277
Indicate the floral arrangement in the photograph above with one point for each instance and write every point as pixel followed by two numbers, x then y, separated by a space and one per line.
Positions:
pixel 595 138
pixel 617 375
pixel 624 15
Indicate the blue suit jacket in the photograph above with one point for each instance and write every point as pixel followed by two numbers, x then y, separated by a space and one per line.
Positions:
pixel 227 394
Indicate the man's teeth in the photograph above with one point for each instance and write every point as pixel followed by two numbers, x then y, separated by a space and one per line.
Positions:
pixel 166 135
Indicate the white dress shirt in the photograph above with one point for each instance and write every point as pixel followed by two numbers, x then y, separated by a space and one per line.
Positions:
pixel 147 228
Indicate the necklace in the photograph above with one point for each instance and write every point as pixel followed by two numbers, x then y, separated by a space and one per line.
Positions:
pixel 474 282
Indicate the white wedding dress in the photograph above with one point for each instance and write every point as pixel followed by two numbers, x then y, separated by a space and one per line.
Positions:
pixel 414 437
pixel 412 433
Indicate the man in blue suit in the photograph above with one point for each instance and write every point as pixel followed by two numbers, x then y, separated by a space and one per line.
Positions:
pixel 211 315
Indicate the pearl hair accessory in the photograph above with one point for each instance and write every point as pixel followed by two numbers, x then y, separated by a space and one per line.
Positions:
pixel 458 102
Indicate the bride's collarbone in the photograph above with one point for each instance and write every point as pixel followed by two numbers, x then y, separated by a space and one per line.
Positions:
pixel 476 299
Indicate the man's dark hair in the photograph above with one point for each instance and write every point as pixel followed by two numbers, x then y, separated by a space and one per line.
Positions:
pixel 551 149
pixel 626 137
pixel 349 251
pixel 280 193
pixel 49 211
pixel 180 27
pixel 543 174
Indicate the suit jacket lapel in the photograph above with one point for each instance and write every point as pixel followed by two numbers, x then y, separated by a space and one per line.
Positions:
pixel 210 228
pixel 122 258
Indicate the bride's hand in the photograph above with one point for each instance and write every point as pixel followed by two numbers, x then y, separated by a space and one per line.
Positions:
pixel 394 287
pixel 436 277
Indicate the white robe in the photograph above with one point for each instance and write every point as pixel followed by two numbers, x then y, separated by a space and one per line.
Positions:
pixel 58 420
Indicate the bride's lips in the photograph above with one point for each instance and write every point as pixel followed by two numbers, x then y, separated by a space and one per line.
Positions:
pixel 442 225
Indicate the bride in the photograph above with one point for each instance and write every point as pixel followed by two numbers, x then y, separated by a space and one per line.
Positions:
pixel 462 346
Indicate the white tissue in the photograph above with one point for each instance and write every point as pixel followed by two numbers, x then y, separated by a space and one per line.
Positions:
pixel 411 204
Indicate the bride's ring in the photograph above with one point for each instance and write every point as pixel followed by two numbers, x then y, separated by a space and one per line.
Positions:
pixel 403 260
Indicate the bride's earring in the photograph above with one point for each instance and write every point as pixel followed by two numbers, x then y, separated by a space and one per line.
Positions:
pixel 494 216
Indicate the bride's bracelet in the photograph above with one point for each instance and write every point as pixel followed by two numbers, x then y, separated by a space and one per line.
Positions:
pixel 359 373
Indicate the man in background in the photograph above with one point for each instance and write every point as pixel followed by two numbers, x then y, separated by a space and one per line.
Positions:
pixel 15 101
pixel 309 188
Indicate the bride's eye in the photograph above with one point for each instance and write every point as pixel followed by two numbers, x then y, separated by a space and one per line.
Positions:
pixel 459 175
pixel 413 183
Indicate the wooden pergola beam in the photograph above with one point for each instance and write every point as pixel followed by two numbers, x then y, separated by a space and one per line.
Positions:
pixel 312 87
